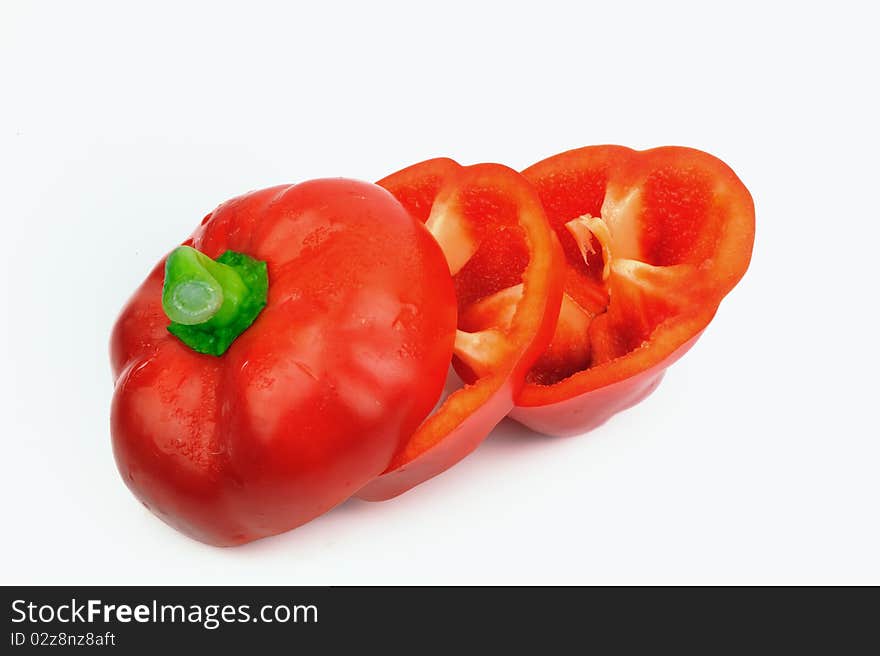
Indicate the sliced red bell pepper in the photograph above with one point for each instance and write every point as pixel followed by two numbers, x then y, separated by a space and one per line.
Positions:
pixel 312 330
pixel 653 241
pixel 507 267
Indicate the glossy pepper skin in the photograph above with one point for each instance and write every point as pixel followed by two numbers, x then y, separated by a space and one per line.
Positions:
pixel 314 398
pixel 508 271
pixel 653 240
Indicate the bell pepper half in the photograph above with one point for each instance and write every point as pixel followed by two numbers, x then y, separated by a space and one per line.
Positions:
pixel 507 267
pixel 276 362
pixel 653 241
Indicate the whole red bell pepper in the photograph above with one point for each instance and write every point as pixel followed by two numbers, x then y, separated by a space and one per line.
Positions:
pixel 653 241
pixel 508 271
pixel 311 329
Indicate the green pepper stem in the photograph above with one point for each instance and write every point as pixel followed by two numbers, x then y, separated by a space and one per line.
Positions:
pixel 198 289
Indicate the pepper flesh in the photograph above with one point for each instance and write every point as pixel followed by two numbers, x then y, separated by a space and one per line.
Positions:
pixel 493 231
pixel 653 241
pixel 311 401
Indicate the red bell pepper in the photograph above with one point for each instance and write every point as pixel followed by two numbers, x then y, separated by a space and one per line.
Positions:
pixel 508 271
pixel 653 241
pixel 312 330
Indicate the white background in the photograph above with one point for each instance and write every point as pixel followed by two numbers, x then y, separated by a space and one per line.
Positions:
pixel 757 459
